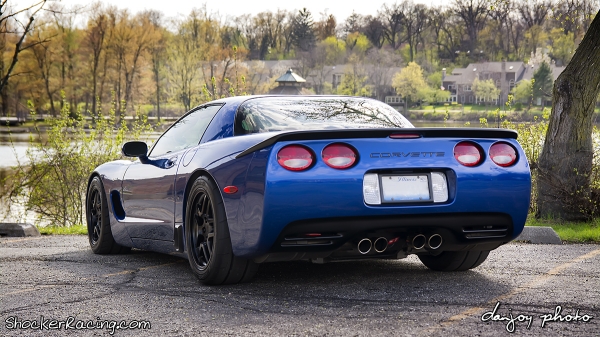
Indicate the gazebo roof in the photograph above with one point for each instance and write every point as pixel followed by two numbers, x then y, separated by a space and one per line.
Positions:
pixel 290 77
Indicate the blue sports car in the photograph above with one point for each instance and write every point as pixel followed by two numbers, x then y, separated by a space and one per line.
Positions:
pixel 245 180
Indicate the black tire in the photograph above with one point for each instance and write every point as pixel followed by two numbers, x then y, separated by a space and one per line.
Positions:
pixel 454 261
pixel 98 223
pixel 207 238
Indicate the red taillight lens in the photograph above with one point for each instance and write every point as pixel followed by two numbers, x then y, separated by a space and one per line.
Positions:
pixel 295 158
pixel 468 154
pixel 339 156
pixel 503 154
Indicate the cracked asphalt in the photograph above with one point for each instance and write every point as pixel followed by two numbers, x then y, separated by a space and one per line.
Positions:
pixel 57 277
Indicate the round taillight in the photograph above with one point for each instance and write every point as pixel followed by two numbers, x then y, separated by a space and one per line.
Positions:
pixel 339 156
pixel 295 158
pixel 468 154
pixel 503 154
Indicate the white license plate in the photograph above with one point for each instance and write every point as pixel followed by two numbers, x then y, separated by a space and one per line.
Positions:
pixel 405 188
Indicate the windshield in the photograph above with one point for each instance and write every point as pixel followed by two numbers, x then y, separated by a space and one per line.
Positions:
pixel 269 114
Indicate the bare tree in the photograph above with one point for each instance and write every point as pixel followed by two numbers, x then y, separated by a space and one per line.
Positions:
pixel 392 17
pixel 416 20
pixel 448 32
pixel 12 37
pixel 534 12
pixel 474 14
pixel 374 31
pixel 95 42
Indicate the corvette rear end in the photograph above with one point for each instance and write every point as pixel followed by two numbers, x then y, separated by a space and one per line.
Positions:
pixel 386 193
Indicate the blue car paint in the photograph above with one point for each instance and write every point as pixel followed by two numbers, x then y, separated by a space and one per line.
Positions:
pixel 324 192
pixel 270 197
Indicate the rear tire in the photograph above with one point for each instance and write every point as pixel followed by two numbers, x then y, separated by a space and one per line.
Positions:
pixel 207 238
pixel 454 261
pixel 98 223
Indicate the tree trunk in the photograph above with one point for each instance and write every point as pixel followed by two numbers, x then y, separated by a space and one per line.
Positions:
pixel 565 163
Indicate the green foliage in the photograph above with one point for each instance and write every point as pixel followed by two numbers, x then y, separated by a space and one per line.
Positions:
pixel 53 181
pixel 335 50
pixel 485 89
pixel 357 42
pixel 518 106
pixel 61 230
pixel 563 45
pixel 586 232
pixel 409 81
pixel 523 92
pixel 354 84
pixel 303 34
pixel 432 95
pixel 542 81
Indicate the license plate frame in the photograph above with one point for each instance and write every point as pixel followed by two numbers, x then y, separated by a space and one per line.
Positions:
pixel 390 184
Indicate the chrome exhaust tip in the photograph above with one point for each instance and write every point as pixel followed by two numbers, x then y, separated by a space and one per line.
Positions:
pixel 380 245
pixel 435 241
pixel 419 241
pixel 364 246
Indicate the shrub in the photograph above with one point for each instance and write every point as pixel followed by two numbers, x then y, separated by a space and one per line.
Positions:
pixel 428 115
pixel 518 106
pixel 53 181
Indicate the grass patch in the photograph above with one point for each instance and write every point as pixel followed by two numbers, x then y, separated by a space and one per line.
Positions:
pixel 60 230
pixel 573 232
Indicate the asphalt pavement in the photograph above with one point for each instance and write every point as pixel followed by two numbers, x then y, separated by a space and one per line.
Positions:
pixel 55 286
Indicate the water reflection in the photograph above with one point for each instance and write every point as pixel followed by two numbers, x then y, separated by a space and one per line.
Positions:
pixel 12 154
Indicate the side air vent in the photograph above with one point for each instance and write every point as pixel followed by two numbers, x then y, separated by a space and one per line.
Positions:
pixel 310 239
pixel 115 198
pixel 485 231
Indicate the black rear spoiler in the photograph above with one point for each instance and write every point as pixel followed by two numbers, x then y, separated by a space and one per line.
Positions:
pixel 380 133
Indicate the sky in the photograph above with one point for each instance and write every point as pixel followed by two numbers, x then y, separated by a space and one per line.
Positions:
pixel 341 9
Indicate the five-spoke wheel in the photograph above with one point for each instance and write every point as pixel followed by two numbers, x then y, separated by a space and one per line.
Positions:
pixel 98 224
pixel 207 238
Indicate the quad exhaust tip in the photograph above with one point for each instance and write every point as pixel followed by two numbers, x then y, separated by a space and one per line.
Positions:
pixel 435 241
pixel 364 246
pixel 380 245
pixel 419 241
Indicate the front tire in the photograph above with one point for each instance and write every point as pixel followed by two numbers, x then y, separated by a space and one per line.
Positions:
pixel 207 238
pixel 98 223
pixel 454 261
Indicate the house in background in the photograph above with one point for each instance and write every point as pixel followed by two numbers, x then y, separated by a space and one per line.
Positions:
pixel 506 75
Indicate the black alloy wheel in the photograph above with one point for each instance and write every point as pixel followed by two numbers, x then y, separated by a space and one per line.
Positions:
pixel 207 238
pixel 203 230
pixel 95 210
pixel 98 224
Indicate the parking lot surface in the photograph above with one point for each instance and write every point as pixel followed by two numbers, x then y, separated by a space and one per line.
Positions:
pixel 55 286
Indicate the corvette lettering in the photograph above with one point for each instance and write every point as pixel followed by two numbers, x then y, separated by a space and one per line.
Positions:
pixel 407 154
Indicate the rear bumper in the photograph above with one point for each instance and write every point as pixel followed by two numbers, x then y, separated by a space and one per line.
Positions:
pixel 473 230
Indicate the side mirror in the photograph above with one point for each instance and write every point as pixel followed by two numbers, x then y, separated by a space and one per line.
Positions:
pixel 135 149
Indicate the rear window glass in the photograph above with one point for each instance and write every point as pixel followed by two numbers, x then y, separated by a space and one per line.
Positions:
pixel 269 114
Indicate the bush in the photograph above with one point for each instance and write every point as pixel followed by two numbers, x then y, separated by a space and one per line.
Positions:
pixel 518 106
pixel 439 116
pixel 53 182
pixel 428 115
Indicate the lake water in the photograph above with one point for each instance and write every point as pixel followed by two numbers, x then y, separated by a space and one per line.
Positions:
pixel 11 154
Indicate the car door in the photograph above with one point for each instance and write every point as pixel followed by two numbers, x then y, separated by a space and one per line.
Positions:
pixel 148 188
